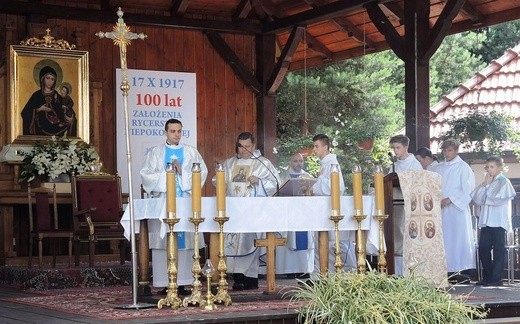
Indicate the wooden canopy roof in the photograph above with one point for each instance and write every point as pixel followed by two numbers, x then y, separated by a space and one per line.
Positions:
pixel 293 34
pixel 330 30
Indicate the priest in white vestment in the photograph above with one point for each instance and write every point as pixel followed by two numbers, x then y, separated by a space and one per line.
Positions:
pixel 404 161
pixel 322 187
pixel 458 181
pixel 153 176
pixel 493 196
pixel 297 257
pixel 248 174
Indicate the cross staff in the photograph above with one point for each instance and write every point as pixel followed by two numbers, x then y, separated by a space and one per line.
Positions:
pixel 122 36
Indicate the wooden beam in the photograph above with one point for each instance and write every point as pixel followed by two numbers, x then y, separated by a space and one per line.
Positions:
pixel 316 3
pixel 281 67
pixel 318 47
pixel 260 12
pixel 105 5
pixel 488 20
pixel 472 13
pixel 385 27
pixel 229 56
pixel 396 10
pixel 179 7
pixel 417 77
pixel 440 29
pixel 96 15
pixel 242 11
pixel 328 11
pixel 265 103
pixel 272 10
pixel 344 24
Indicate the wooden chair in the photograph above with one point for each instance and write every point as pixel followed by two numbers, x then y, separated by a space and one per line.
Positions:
pixel 42 225
pixel 97 209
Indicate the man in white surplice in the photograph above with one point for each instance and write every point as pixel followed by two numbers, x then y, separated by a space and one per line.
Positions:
pixel 322 187
pixel 458 181
pixel 248 174
pixel 404 161
pixel 153 176
pixel 297 257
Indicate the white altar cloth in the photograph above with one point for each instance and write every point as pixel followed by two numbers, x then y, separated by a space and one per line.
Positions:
pixel 261 214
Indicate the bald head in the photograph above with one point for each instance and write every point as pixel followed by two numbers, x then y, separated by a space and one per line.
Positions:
pixel 296 162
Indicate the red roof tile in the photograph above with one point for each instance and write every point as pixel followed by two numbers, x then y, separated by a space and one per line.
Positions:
pixel 495 88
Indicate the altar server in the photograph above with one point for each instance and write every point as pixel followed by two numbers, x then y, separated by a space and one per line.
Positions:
pixel 494 197
pixel 458 181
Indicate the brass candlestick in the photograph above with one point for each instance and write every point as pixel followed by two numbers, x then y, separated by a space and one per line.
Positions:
pixel 196 293
pixel 172 299
pixel 380 216
pixel 336 217
pixel 360 241
pixel 209 302
pixel 222 295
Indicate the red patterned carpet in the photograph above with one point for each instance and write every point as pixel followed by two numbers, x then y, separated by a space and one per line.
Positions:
pixel 100 303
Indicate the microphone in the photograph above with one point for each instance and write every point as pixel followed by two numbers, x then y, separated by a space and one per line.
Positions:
pixel 259 160
pixel 392 158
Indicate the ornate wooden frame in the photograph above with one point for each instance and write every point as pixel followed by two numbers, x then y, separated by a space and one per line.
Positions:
pixel 26 61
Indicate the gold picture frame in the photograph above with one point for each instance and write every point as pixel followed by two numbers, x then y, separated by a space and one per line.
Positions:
pixel 35 116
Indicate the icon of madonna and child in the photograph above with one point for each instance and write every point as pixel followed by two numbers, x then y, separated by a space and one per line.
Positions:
pixel 49 110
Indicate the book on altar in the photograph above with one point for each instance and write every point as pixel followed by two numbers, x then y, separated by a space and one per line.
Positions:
pixel 297 187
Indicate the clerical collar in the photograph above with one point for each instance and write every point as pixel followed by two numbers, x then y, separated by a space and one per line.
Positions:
pixel 173 145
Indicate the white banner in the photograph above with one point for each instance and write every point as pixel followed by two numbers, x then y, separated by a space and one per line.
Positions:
pixel 154 97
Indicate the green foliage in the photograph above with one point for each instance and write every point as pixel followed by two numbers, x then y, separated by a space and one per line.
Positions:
pixel 454 62
pixel 339 105
pixel 482 133
pixel 312 164
pixel 288 145
pixel 349 297
pixel 498 39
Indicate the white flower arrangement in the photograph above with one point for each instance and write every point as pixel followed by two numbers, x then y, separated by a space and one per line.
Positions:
pixel 59 155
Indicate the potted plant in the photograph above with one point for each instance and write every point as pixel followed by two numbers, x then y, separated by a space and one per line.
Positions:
pixel 56 156
pixel 482 133
pixel 349 297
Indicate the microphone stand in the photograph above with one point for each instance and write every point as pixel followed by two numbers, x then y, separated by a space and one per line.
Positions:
pixel 392 158
pixel 271 172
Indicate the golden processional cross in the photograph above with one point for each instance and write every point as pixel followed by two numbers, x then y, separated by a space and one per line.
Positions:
pixel 122 37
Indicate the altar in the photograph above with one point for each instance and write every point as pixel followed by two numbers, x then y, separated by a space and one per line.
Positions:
pixel 255 215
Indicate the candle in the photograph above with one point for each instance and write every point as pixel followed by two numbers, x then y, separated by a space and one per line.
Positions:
pixel 357 186
pixel 221 188
pixel 379 189
pixel 170 190
pixel 195 189
pixel 334 187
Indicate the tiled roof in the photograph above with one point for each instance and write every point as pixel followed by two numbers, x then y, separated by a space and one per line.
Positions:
pixel 495 88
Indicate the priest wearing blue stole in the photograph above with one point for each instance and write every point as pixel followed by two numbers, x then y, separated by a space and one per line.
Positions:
pixel 153 176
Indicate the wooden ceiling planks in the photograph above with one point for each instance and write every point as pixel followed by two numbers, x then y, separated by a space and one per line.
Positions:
pixel 335 30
